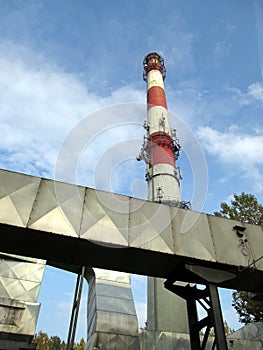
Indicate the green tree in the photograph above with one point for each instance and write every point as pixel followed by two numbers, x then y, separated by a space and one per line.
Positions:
pixel 55 343
pixel 80 345
pixel 248 310
pixel 42 340
pixel 244 208
pixel 227 329
pixel 63 345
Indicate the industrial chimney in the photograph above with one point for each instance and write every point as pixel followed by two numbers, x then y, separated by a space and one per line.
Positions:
pixel 161 147
pixel 166 312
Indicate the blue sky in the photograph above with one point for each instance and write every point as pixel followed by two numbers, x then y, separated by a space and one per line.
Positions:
pixel 62 61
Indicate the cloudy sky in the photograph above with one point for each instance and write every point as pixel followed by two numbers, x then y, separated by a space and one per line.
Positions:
pixel 64 61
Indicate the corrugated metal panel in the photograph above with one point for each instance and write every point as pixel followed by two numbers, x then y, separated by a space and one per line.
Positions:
pixel 164 340
pixel 180 341
pixel 106 341
pixel 111 312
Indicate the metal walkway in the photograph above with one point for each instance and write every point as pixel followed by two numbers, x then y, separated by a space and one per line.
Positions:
pixel 72 226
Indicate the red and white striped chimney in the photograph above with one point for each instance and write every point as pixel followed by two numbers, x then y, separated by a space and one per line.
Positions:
pixel 161 147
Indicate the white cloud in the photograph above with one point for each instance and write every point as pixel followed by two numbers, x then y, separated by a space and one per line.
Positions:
pixel 198 105
pixel 229 199
pixel 232 146
pixel 253 94
pixel 237 149
pixel 39 106
pixel 255 91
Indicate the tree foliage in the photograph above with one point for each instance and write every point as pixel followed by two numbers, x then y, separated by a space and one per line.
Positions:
pixel 227 329
pixel 56 344
pixel 244 208
pixel 248 310
pixel 44 342
pixel 80 345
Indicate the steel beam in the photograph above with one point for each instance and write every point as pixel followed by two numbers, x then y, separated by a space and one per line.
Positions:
pixel 209 300
pixel 75 310
pixel 73 226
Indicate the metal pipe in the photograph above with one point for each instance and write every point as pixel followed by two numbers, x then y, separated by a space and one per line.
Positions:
pixel 75 310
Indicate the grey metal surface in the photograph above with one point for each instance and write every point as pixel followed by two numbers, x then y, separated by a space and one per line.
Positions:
pixel 112 320
pixel 240 340
pixel 133 235
pixel 18 317
pixel 218 323
pixel 20 277
pixel 75 309
pixel 197 241
pixel 159 300
pixel 163 340
pixel 252 332
pixel 20 280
